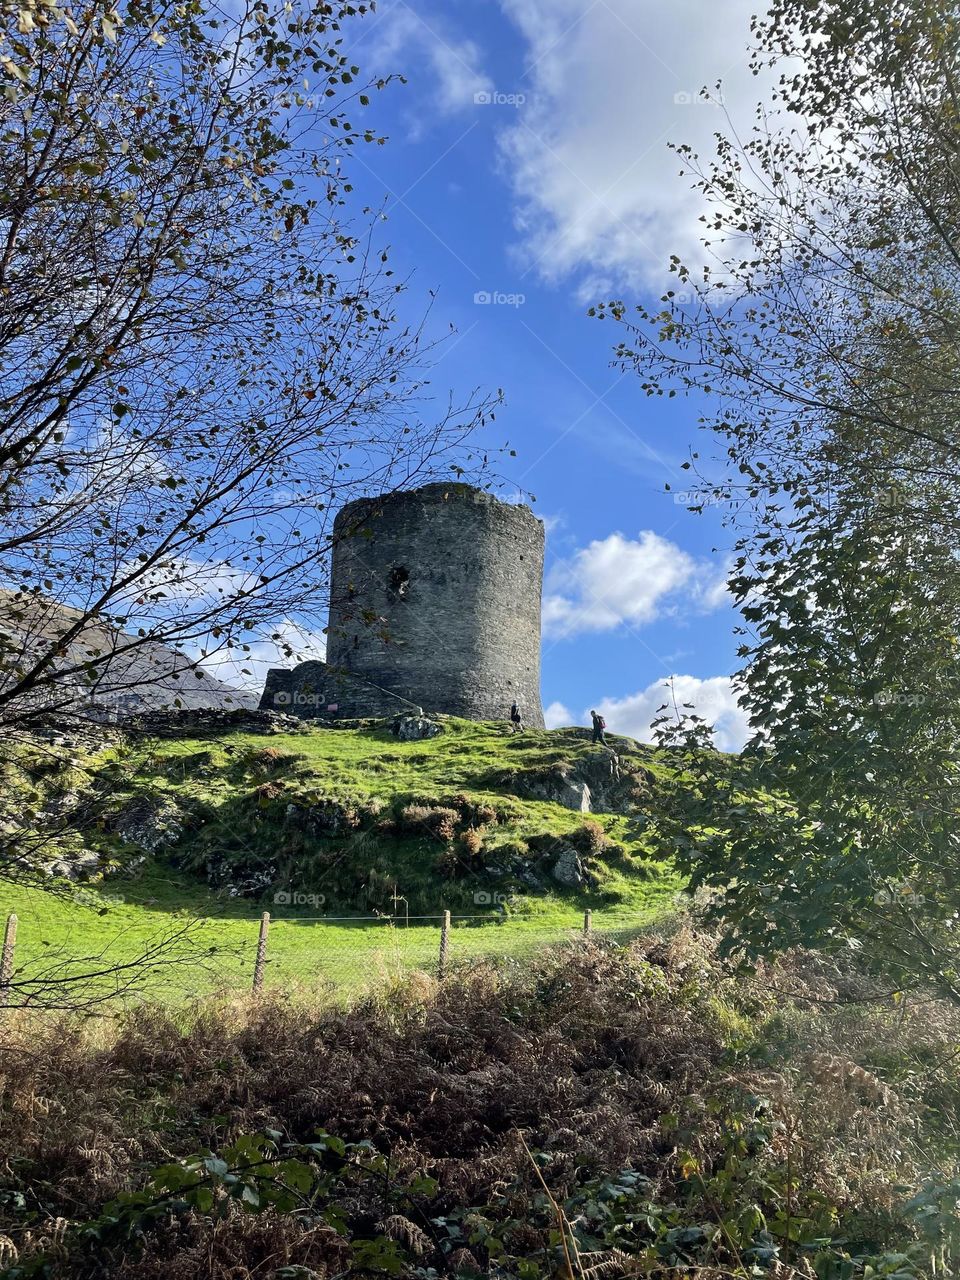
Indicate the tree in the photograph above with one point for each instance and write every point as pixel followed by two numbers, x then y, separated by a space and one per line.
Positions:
pixel 837 826
pixel 826 338
pixel 200 356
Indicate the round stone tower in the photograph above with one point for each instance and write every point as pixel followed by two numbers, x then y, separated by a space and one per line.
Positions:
pixel 435 597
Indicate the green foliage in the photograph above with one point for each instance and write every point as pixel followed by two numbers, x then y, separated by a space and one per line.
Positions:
pixel 258 1173
pixel 839 823
pixel 826 342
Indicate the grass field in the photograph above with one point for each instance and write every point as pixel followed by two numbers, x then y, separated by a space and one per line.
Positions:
pixel 205 947
pixel 236 794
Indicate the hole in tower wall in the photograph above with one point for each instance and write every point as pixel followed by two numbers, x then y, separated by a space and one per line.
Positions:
pixel 399 580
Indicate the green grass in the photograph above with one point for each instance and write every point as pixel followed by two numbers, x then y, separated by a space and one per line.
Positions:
pixel 219 784
pixel 364 767
pixel 97 927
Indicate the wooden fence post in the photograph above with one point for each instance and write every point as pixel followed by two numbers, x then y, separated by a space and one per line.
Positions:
pixel 6 956
pixel 261 959
pixel 587 923
pixel 444 944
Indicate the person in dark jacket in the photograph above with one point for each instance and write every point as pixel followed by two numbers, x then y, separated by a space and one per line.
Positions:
pixel 599 727
pixel 516 718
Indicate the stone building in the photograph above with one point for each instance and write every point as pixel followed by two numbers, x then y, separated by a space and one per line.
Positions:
pixel 434 603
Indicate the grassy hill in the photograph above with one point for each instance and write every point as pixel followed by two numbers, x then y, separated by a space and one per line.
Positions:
pixel 346 822
pixel 588 1111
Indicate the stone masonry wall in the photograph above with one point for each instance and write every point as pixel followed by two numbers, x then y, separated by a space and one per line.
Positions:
pixel 435 597
pixel 314 690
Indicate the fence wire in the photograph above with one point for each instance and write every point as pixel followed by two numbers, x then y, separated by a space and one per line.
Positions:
pixel 343 957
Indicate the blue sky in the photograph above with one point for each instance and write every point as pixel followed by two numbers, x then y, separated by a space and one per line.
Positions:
pixel 527 176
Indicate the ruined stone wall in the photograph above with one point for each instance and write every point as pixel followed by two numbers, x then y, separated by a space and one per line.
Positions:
pixel 316 691
pixel 435 597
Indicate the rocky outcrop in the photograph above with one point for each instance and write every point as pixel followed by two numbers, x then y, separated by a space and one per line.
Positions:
pixel 560 787
pixel 415 728
pixel 568 870
pixel 591 783
pixel 76 864
pixel 149 823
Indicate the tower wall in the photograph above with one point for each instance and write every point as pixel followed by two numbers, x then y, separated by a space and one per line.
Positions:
pixel 435 597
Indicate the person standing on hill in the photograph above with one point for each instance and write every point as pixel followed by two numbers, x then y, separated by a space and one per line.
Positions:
pixel 599 726
pixel 516 718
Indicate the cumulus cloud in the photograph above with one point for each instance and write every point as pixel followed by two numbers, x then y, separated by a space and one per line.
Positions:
pixel 608 85
pixel 557 716
pixel 428 53
pixel 187 578
pixel 282 645
pixel 618 580
pixel 713 698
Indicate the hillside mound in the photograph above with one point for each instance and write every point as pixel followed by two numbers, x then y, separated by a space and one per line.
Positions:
pixel 354 817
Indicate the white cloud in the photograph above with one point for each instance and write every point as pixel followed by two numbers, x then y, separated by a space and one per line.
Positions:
pixel 617 580
pixel 609 84
pixel 187 578
pixel 714 699
pixel 403 41
pixel 248 670
pixel 557 716
pixel 175 587
pixel 710 590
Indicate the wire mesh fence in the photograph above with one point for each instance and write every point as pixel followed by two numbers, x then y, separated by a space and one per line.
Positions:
pixel 341 956
pixel 352 954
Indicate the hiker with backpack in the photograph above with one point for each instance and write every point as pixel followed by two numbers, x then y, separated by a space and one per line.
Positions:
pixel 599 725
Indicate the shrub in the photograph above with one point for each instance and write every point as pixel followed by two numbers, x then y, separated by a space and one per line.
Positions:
pixel 590 839
pixel 270 759
pixel 447 864
pixel 472 813
pixel 485 815
pixel 608 1058
pixel 266 792
pixel 334 817
pixel 471 842
pixel 545 844
pixel 419 819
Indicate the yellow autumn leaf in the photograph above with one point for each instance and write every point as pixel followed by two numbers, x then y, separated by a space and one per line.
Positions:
pixel 12 69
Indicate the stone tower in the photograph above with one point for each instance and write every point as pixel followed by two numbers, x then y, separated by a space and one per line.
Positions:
pixel 435 601
pixel 456 577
